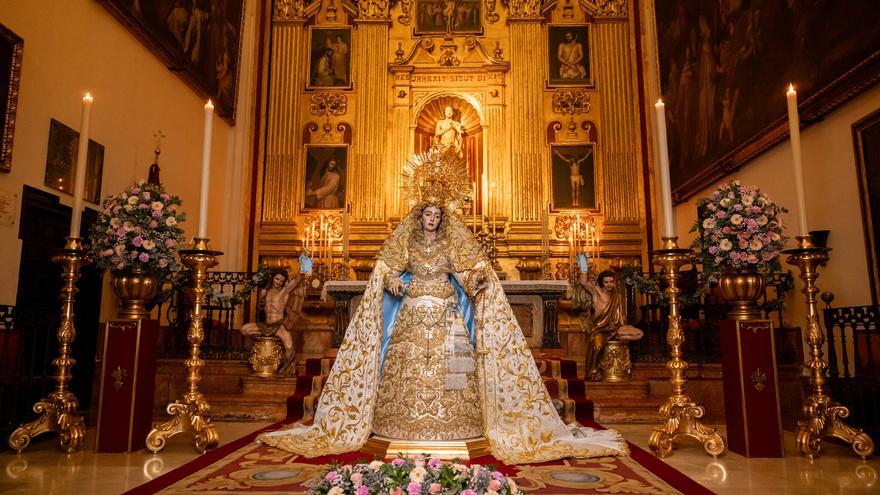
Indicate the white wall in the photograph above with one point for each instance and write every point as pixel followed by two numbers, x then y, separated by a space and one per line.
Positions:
pixel 74 46
pixel 833 201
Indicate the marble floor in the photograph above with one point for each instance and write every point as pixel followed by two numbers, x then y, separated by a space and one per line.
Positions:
pixel 42 469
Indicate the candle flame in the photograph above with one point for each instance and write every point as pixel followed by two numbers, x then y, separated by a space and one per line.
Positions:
pixel 791 88
pixel 659 101
pixel 209 105
pixel 88 97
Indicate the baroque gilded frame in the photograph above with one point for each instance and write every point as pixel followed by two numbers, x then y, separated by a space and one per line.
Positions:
pixel 870 219
pixel 15 45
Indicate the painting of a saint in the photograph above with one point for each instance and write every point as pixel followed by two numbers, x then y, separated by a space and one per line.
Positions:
pixel 330 58
pixel 569 55
pixel 725 67
pixel 574 180
pixel 325 177
pixel 448 16
pixel 198 39
pixel 61 162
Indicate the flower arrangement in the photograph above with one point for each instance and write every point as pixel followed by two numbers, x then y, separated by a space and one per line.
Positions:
pixel 739 228
pixel 138 229
pixel 413 476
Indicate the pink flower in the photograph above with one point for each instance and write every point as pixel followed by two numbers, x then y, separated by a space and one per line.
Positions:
pixel 157 214
pixel 362 490
pixel 153 224
pixel 468 492
pixel 138 241
pixel 116 209
pixel 331 476
pixel 136 190
pixel 119 265
pixel 143 206
pixel 435 488
pixel 713 249
pixel 146 194
pixel 494 485
pixel 165 196
pixel 169 243
pixel 163 263
pixel 476 468
pixel 107 211
pixel 414 488
pixel 497 475
pixel 720 214
pixel 398 462
pixel 752 259
pixel 435 463
pixel 107 252
pixel 357 478
pixel 399 491
pixel 144 257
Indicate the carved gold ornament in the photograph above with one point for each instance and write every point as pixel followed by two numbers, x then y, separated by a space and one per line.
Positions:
pixel 329 104
pixel 759 380
pixel 612 8
pixel 118 376
pixel 438 178
pixel 288 10
pixel 571 102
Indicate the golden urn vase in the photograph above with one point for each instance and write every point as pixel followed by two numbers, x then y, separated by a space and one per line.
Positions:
pixel 742 288
pixel 266 355
pixel 135 289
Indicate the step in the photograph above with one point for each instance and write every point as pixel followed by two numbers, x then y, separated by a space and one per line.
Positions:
pixel 632 389
pixel 275 386
pixel 629 412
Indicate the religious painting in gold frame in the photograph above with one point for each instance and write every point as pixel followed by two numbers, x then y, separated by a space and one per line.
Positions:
pixel 325 181
pixel 61 162
pixel 573 177
pixel 199 40
pixel 11 49
pixel 866 138
pixel 724 68
pixel 329 58
pixel 569 56
pixel 433 17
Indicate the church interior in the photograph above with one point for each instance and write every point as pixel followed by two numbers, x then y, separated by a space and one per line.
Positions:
pixel 439 246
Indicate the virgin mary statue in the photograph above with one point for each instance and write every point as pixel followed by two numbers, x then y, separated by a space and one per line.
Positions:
pixel 434 352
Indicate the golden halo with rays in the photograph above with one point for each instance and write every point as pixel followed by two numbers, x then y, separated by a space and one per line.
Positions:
pixel 436 177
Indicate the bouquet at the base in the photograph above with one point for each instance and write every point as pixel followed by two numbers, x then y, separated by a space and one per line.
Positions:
pixel 413 476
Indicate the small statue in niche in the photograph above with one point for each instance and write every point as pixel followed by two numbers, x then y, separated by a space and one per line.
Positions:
pixel 282 301
pixel 607 320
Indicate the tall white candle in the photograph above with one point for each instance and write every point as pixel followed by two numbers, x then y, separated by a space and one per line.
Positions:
pixel 794 128
pixel 82 154
pixel 206 170
pixel 494 213
pixel 345 221
pixel 665 185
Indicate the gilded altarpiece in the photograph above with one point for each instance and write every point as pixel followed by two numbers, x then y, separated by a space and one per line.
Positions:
pixel 498 83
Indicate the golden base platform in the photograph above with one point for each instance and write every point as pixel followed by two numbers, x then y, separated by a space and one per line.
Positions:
pixel 465 449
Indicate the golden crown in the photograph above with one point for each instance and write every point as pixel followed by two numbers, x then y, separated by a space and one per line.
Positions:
pixel 437 177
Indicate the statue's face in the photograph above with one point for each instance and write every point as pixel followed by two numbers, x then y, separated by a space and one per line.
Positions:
pixel 448 112
pixel 431 217
pixel 608 283
pixel 331 165
pixel 278 280
pixel 569 37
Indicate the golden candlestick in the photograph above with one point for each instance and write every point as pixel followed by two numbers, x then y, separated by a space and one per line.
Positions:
pixel 57 411
pixel 682 415
pixel 823 415
pixel 191 413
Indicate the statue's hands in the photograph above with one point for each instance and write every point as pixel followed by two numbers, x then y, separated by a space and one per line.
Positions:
pixel 395 286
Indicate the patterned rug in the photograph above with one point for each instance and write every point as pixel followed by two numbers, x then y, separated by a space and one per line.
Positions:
pixel 242 466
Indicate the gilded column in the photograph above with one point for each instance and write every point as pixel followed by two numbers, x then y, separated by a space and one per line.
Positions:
pixel 526 110
pixel 399 139
pixel 281 181
pixel 371 118
pixel 620 169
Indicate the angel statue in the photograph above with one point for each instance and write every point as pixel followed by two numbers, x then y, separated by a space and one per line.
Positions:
pixel 282 302
pixel 434 352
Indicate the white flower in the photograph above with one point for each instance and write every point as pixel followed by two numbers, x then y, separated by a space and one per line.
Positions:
pixel 128 226
pixel 511 485
pixel 709 223
pixel 725 202
pixel 756 244
pixel 748 199
pixel 762 220
pixel 417 474
pixel 115 223
pixel 775 236
pixel 335 491
pixel 459 468
pixel 128 207
pixel 132 200
pixel 148 244
pixel 376 465
pixel 156 205
pixel 170 221
pixel 736 219
pixel 725 245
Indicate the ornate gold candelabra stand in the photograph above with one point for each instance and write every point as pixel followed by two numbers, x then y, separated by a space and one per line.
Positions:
pixel 682 415
pixel 823 415
pixel 57 411
pixel 191 413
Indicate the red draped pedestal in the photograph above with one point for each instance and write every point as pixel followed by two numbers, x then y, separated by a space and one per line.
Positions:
pixel 128 370
pixel 751 392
